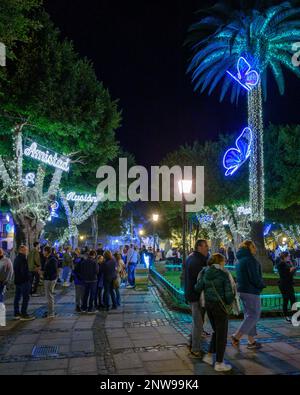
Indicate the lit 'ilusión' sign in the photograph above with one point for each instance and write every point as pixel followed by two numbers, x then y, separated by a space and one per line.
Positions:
pixel 51 159
pixel 88 198
pixel 246 76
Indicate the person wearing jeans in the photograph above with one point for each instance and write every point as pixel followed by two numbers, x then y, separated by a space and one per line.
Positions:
pixel 79 284
pixel 34 263
pixel 88 272
pixel 23 285
pixel 219 294
pixel 50 278
pixel 194 264
pixel 286 273
pixel 109 275
pixel 67 267
pixel 250 285
pixel 132 261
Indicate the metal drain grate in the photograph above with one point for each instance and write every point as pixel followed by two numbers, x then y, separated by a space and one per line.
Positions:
pixel 44 351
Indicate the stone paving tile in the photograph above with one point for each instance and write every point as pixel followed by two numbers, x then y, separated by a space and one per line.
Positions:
pixel 57 372
pixel 164 366
pixel 127 361
pixel 284 348
pixel 82 345
pixel 118 333
pixel 151 342
pixel 83 365
pixel 250 368
pixel 118 344
pixel 12 368
pixel 20 350
pixel 115 324
pixel 83 335
pixel 132 372
pixel 157 355
pixel 25 339
pixel 50 364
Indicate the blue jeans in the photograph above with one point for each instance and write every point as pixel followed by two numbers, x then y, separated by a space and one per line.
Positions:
pixel 22 291
pixel 90 290
pixel 66 274
pixel 118 296
pixel 131 274
pixel 109 292
pixel 252 310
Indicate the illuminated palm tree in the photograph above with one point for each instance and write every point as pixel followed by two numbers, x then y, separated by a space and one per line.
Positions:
pixel 264 37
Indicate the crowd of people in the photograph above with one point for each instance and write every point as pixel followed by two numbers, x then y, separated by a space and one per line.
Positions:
pixel 211 291
pixel 97 275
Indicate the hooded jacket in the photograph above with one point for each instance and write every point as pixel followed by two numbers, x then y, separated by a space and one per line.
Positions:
pixel 216 284
pixel 248 273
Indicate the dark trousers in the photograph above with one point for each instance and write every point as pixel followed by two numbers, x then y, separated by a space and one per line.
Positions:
pixel 131 274
pixel 98 297
pixel 288 295
pixel 109 292
pixel 35 280
pixel 219 322
pixel 90 290
pixel 22 291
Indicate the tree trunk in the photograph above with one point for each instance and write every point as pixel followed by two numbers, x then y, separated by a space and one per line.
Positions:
pixel 26 233
pixel 256 175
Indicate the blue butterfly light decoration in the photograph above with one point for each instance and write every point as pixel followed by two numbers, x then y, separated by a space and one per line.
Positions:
pixel 234 158
pixel 246 76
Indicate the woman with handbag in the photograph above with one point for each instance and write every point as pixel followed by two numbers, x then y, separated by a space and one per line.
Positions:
pixel 219 295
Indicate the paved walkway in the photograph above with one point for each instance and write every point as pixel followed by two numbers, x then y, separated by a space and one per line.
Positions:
pixel 141 337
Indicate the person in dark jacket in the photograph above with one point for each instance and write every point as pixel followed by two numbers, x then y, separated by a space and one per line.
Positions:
pixel 50 277
pixel 194 264
pixel 218 293
pixel 23 285
pixel 109 275
pixel 79 284
pixel 250 285
pixel 99 293
pixel 286 272
pixel 88 272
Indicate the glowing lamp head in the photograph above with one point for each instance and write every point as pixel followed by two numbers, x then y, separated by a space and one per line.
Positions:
pixel 185 186
pixel 155 217
pixel 141 232
pixel 81 238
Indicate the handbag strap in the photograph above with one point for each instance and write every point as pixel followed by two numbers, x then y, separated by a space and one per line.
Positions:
pixel 225 308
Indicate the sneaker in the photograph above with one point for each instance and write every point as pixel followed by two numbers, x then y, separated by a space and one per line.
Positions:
pixel 83 311
pixel 78 309
pixel 35 295
pixel 17 316
pixel 222 367
pixel 91 312
pixel 235 342
pixel 129 287
pixel 254 346
pixel 208 358
pixel 27 317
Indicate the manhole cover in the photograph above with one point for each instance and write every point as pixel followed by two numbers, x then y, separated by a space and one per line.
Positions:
pixel 45 351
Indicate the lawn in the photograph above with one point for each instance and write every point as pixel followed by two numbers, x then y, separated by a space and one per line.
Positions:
pixel 174 278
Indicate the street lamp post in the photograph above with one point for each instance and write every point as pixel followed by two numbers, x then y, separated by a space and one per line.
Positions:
pixel 155 218
pixel 185 187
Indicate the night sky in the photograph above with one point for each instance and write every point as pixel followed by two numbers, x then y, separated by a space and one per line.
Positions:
pixel 137 50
